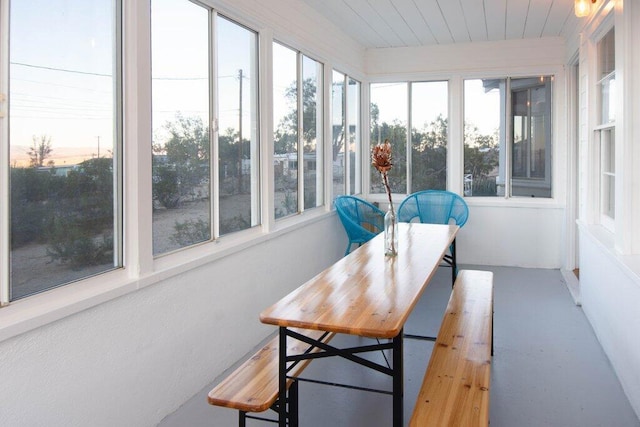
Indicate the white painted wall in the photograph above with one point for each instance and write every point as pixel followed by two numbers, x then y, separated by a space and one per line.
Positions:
pixel 610 293
pixel 514 236
pixel 610 261
pixel 515 232
pixel 133 360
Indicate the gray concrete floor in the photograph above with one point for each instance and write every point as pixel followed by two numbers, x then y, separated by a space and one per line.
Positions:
pixel 548 368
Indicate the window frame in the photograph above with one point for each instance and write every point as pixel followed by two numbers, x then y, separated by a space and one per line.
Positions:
pixel 604 134
pixel 119 262
pixel 320 141
pixel 506 117
pixel 5 225
pixel 352 184
pixel 408 152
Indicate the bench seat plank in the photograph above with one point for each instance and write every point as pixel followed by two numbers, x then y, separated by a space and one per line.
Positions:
pixel 253 386
pixel 455 390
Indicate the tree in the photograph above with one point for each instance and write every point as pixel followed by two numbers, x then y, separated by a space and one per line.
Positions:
pixel 40 150
pixel 429 156
pixel 481 154
pixel 286 135
pixel 181 163
pixel 396 133
pixel 80 225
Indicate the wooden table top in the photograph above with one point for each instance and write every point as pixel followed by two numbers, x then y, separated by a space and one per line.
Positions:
pixel 367 293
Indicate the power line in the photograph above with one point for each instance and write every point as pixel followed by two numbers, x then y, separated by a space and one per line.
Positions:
pixel 65 70
pixel 61 69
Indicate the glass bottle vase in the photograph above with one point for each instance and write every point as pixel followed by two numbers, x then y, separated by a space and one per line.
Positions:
pixel 390 233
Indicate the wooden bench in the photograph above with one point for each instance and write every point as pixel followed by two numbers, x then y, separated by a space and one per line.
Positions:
pixel 253 386
pixel 455 389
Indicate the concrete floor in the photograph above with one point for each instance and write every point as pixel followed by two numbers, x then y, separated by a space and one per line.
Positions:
pixel 548 367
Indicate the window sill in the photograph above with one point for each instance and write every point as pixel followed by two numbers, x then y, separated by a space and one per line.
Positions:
pixel 41 309
pixel 498 201
pixel 515 202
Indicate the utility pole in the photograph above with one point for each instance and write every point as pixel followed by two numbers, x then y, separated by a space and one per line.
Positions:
pixel 98 145
pixel 240 134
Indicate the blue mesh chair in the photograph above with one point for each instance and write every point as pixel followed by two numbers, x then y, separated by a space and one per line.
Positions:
pixel 436 207
pixel 361 220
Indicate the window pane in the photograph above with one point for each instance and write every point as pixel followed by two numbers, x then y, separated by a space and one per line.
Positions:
pixel 531 119
pixel 63 143
pixel 429 121
pixel 312 131
pixel 355 138
pixel 607 77
pixel 607 54
pixel 389 121
pixel 608 167
pixel 180 90
pixel 483 137
pixel 338 96
pixel 608 99
pixel 238 196
pixel 285 138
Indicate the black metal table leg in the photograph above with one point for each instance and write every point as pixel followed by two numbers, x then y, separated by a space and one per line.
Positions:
pixel 454 264
pixel 398 381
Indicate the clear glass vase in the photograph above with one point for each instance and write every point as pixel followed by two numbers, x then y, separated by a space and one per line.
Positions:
pixel 390 233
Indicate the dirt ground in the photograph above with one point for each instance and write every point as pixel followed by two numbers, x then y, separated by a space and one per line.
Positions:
pixel 33 271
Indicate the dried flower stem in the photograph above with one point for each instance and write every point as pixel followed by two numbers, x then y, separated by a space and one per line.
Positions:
pixel 381 159
pixel 385 181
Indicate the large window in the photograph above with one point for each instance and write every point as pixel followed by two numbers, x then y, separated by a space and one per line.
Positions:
pixel 237 143
pixel 507 137
pixel 429 136
pixel 346 135
pixel 64 143
pixel 181 117
pixel 605 129
pixel 421 107
pixel 297 139
pixel 194 198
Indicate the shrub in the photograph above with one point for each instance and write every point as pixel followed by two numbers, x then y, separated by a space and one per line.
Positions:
pixel 191 231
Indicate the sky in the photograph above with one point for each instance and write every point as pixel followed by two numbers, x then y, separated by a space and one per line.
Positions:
pixel 61 75
pixel 62 79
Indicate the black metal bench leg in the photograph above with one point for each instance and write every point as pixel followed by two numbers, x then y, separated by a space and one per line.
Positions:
pixel 242 418
pixel 293 404
pixel 282 387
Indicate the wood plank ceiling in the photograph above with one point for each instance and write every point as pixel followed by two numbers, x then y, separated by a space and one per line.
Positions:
pixel 402 23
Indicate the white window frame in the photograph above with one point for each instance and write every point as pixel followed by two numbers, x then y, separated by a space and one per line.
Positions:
pixel 320 142
pixel 410 83
pixel 606 157
pixel 119 242
pixel 347 103
pixel 505 162
pixel 604 151
pixel 5 226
